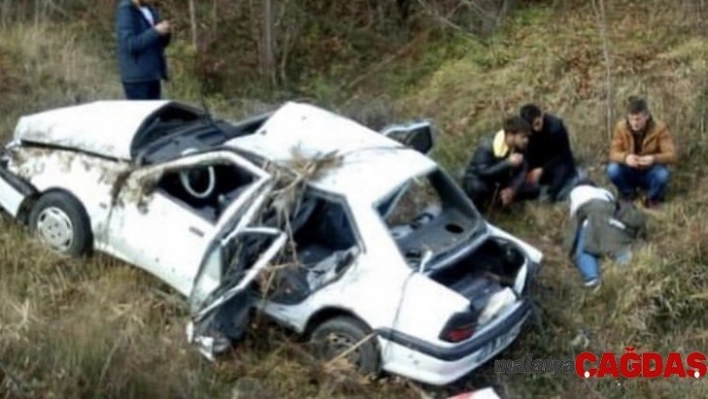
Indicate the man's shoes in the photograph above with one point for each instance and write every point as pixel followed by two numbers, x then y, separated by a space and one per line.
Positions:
pixel 593 282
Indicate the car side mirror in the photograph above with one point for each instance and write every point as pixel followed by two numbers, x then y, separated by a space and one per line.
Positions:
pixel 415 134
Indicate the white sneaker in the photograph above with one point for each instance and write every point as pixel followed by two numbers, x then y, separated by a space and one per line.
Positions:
pixel 592 282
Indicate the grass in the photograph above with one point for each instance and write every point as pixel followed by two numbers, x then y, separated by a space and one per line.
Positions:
pixel 101 329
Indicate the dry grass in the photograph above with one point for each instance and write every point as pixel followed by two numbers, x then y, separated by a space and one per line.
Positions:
pixel 98 328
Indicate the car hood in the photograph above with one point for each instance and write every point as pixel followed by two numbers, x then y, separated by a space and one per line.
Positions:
pixel 104 128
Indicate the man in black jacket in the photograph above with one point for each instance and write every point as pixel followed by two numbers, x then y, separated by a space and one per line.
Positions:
pixel 498 168
pixel 142 38
pixel 550 159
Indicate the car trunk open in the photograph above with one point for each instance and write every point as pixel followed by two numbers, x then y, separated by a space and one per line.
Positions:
pixel 479 272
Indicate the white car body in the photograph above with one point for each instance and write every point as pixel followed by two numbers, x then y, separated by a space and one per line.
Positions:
pixel 97 153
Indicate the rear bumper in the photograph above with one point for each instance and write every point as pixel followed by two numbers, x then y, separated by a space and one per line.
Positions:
pixel 463 349
pixel 437 365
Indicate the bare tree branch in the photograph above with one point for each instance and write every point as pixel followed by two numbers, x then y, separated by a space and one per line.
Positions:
pixel 600 16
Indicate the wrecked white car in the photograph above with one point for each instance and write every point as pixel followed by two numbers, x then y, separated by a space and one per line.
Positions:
pixel 343 234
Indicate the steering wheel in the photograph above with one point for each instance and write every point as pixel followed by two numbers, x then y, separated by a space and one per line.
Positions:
pixel 189 177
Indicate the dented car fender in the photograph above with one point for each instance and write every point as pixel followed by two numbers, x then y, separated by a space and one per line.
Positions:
pixel 88 178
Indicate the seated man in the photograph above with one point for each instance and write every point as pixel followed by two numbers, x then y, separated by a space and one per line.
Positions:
pixel 498 168
pixel 549 156
pixel 641 149
pixel 599 226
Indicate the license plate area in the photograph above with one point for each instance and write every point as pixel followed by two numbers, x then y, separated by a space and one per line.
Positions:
pixel 502 341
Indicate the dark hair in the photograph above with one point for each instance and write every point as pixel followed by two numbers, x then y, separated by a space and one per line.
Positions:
pixel 516 125
pixel 637 105
pixel 529 112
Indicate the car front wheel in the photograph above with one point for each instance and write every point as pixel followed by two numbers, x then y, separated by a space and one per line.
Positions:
pixel 349 338
pixel 60 222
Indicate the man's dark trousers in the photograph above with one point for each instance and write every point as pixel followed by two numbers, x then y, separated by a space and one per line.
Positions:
pixel 148 90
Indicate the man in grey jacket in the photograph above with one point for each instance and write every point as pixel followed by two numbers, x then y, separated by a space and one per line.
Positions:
pixel 600 226
pixel 142 38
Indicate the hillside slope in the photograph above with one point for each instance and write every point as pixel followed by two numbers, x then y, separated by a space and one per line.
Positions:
pixel 98 328
pixel 554 57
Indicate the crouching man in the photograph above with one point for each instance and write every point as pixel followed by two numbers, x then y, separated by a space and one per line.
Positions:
pixel 498 169
pixel 550 158
pixel 641 150
pixel 600 227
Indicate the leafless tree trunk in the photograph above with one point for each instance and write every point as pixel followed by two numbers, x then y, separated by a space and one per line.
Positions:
pixel 214 17
pixel 36 12
pixel 268 42
pixel 6 7
pixel 193 23
pixel 255 29
pixel 601 17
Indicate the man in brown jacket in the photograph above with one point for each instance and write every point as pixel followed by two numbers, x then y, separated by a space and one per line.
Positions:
pixel 642 148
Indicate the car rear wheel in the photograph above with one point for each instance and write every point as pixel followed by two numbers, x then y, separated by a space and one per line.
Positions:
pixel 60 222
pixel 340 335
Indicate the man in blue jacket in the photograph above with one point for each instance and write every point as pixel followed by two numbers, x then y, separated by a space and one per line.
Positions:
pixel 142 38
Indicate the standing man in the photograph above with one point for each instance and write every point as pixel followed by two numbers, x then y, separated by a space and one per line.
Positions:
pixel 550 158
pixel 498 168
pixel 641 149
pixel 142 38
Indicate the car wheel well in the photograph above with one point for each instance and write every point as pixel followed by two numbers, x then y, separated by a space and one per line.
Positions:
pixel 28 203
pixel 26 207
pixel 79 211
pixel 325 314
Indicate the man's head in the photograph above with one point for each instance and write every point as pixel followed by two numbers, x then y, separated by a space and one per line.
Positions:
pixel 517 132
pixel 532 114
pixel 637 113
pixel 142 2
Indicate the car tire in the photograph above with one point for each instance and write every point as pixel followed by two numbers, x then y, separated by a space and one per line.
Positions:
pixel 339 334
pixel 60 221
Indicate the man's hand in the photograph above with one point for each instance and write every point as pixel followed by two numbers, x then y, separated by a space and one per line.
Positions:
pixel 534 176
pixel 633 161
pixel 515 159
pixel 647 160
pixel 163 27
pixel 507 195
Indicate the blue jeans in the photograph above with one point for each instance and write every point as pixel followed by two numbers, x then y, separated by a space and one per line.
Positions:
pixel 589 264
pixel 654 180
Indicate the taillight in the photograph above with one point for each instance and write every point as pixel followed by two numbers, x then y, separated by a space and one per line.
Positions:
pixel 459 334
pixel 460 327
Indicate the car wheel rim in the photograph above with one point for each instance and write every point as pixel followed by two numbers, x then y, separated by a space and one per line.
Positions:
pixel 338 344
pixel 55 228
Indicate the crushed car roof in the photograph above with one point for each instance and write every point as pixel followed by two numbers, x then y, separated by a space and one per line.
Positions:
pixel 105 128
pixel 369 159
pixel 372 164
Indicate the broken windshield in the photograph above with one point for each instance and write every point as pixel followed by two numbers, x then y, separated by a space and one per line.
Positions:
pixel 428 213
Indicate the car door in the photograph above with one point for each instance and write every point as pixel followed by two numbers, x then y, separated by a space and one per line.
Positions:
pixel 416 134
pixel 163 236
pixel 237 255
